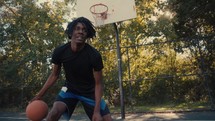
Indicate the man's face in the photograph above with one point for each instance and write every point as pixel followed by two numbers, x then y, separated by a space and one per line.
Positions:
pixel 79 34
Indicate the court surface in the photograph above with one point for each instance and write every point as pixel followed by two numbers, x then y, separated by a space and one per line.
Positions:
pixel 186 116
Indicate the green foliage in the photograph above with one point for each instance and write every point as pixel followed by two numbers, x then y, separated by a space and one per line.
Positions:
pixel 195 29
pixel 29 34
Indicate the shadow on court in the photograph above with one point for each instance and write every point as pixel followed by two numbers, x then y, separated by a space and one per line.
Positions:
pixel 199 115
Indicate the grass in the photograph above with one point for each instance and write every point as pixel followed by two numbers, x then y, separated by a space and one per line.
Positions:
pixel 170 107
pixel 163 108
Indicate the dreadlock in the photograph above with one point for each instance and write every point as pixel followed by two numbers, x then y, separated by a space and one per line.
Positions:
pixel 89 26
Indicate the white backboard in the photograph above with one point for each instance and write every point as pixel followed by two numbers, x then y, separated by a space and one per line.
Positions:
pixel 101 12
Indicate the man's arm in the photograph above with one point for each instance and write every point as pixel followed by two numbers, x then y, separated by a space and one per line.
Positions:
pixel 98 93
pixel 50 81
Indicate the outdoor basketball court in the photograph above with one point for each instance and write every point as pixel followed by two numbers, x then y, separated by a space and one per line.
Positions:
pixel 102 12
pixel 194 116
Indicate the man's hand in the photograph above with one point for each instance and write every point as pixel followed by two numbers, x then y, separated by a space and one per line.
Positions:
pixel 97 116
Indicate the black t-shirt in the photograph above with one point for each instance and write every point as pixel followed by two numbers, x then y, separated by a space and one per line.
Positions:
pixel 78 67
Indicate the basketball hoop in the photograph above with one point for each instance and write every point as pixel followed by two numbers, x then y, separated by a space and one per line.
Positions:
pixel 99 12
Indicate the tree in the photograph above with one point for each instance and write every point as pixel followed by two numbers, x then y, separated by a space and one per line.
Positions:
pixel 195 28
pixel 29 32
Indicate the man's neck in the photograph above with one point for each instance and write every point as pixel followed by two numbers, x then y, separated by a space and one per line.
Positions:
pixel 77 47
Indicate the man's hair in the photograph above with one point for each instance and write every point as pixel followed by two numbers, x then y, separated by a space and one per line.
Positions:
pixel 89 26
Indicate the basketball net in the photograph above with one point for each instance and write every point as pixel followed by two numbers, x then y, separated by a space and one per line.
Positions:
pixel 99 12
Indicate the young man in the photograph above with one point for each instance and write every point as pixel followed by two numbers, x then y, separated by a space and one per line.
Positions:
pixel 83 66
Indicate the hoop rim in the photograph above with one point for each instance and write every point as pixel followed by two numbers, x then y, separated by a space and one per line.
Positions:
pixel 97 5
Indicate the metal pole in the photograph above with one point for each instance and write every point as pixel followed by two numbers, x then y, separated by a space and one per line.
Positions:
pixel 120 72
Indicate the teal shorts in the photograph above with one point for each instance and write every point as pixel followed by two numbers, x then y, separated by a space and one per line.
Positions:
pixel 71 100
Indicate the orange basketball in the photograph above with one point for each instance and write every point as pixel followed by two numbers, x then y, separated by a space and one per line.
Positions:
pixel 37 110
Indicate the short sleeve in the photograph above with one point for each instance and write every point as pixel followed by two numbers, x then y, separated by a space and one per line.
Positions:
pixel 56 57
pixel 97 62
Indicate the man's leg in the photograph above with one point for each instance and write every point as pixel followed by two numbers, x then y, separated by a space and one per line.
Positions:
pixel 65 104
pixel 107 117
pixel 57 110
pixel 89 109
